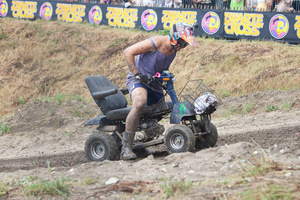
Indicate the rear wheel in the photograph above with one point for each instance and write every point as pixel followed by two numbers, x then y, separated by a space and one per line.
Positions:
pixel 179 138
pixel 101 146
pixel 207 140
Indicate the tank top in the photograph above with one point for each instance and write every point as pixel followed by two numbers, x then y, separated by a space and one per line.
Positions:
pixel 149 64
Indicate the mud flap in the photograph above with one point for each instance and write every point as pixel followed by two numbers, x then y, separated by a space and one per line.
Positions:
pixel 206 121
pixel 181 110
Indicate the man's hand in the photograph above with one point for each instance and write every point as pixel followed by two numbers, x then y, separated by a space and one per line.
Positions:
pixel 142 78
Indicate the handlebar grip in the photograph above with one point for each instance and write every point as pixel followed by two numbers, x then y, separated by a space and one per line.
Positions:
pixel 100 95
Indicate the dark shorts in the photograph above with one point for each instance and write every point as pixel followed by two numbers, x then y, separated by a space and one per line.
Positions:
pixel 153 97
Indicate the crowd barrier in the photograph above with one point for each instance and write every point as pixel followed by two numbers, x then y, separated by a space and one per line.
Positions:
pixel 283 27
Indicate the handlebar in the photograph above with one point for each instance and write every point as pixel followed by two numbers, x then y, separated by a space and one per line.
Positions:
pixel 165 76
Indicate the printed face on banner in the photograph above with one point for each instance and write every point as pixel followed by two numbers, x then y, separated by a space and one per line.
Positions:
pixel 279 26
pixel 3 8
pixel 46 11
pixel 95 15
pixel 210 23
pixel 149 19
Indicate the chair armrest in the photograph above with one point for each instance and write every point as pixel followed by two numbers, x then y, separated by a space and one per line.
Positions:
pixel 100 95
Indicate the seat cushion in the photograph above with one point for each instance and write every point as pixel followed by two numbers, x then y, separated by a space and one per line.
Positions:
pixel 108 103
pixel 121 114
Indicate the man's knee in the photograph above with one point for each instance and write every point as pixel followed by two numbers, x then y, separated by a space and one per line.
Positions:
pixel 139 104
pixel 139 98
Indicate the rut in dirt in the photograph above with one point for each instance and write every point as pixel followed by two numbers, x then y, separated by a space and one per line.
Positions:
pixel 60 160
pixel 267 138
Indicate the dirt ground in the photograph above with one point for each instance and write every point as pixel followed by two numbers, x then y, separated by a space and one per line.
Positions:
pixel 47 141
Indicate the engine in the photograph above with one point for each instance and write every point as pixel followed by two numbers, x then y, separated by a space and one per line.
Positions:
pixel 148 130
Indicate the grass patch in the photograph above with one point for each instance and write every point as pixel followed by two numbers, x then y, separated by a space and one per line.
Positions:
pixel 42 187
pixel 4 128
pixel 59 98
pixel 286 106
pixel 270 108
pixel 248 108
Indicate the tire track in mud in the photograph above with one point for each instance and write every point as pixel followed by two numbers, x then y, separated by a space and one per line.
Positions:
pixel 60 160
pixel 265 138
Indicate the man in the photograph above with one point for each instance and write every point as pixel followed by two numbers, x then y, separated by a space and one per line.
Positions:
pixel 237 5
pixel 285 6
pixel 153 55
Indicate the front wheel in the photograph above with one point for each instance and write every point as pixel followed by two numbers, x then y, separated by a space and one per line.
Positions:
pixel 207 140
pixel 101 146
pixel 179 138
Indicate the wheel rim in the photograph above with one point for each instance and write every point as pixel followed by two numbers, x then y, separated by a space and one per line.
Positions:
pixel 98 150
pixel 177 141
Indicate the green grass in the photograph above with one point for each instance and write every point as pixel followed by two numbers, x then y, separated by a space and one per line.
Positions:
pixel 43 187
pixel 286 106
pixel 59 98
pixel 248 108
pixel 4 128
pixel 271 108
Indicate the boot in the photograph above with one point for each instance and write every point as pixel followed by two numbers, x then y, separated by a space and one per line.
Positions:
pixel 126 152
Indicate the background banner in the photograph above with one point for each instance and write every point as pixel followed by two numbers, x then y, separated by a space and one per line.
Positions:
pixel 212 23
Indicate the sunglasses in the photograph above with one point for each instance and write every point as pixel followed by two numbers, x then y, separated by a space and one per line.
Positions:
pixel 182 43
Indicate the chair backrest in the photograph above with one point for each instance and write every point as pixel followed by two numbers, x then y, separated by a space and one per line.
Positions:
pixel 108 103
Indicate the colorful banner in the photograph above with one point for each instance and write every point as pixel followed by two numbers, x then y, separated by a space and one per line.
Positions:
pixel 212 23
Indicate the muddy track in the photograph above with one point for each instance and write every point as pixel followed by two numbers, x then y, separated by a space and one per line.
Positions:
pixel 60 160
pixel 266 138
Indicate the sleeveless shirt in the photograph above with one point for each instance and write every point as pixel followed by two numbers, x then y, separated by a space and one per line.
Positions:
pixel 149 64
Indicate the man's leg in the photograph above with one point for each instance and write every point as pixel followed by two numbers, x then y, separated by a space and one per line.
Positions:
pixel 139 100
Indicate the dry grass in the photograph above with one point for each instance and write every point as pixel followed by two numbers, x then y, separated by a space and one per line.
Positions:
pixel 45 58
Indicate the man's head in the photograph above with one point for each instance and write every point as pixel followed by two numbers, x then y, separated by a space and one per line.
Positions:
pixel 181 35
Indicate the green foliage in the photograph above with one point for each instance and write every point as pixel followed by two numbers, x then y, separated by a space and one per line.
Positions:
pixel 3 128
pixel 59 98
pixel 42 187
pixel 21 100
pixel 163 32
pixel 225 93
pixel 286 106
pixel 248 107
pixel 46 99
pixel 271 108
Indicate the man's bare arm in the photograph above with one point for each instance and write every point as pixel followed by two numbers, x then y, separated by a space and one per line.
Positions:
pixel 134 50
